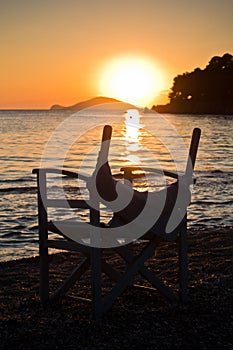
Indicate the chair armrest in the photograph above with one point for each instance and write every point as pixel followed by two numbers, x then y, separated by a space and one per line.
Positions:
pixel 168 173
pixel 67 173
pixel 130 169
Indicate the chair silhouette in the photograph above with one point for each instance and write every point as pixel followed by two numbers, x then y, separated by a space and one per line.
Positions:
pixel 93 257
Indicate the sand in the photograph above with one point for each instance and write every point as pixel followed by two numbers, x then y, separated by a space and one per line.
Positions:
pixel 138 319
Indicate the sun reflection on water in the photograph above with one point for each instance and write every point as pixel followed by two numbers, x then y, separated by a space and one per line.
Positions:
pixel 134 146
pixel 132 123
pixel 132 136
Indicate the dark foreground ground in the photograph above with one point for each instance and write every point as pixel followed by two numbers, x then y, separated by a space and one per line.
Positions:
pixel 139 319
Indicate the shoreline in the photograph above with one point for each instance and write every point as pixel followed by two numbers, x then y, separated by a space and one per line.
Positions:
pixel 137 319
pixel 191 231
pixel 148 111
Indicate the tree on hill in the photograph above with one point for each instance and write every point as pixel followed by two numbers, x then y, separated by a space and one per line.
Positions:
pixel 204 91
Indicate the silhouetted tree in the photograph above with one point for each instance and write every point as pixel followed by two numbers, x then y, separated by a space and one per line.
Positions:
pixel 205 91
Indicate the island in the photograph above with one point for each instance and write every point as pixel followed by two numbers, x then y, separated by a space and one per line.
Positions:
pixel 92 102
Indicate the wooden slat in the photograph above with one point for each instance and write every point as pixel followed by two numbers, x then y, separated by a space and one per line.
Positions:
pixel 166 291
pixel 72 279
pixel 69 203
pixel 129 169
pixel 113 274
pixel 133 267
pixel 68 245
pixel 67 173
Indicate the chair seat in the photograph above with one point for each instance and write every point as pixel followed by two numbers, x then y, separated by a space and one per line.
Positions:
pixel 86 234
pixel 159 229
pixel 72 230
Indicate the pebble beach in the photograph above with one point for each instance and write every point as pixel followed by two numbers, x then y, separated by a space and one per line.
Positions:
pixel 138 319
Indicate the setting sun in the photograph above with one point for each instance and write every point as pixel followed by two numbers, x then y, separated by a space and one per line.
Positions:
pixel 132 79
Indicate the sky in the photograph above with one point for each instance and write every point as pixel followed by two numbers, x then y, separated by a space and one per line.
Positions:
pixel 54 52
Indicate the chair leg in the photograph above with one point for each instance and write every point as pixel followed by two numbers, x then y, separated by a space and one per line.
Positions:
pixel 43 237
pixel 96 282
pixel 183 265
pixel 44 256
pixel 44 274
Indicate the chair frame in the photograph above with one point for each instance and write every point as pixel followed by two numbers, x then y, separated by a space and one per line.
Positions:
pixel 93 257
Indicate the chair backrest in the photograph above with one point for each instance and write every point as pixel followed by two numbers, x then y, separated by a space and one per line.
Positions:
pixel 104 147
pixel 183 199
pixel 193 151
pixel 107 133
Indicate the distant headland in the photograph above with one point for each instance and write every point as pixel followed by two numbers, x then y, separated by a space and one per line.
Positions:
pixel 91 102
pixel 203 91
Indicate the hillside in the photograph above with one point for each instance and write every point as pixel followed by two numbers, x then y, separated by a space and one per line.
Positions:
pixel 203 91
pixel 89 103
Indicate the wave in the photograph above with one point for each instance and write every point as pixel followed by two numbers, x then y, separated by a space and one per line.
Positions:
pixel 209 202
pixel 20 179
pixel 213 173
pixel 19 190
pixel 221 172
pixel 19 234
pixel 12 242
pixel 33 189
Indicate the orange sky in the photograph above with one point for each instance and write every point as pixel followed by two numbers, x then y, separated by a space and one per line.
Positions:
pixel 52 51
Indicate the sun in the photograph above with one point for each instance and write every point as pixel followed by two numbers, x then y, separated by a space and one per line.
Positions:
pixel 137 80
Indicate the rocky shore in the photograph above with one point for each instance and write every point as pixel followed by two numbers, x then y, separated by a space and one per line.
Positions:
pixel 139 319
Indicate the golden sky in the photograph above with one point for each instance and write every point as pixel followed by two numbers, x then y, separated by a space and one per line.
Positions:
pixel 54 51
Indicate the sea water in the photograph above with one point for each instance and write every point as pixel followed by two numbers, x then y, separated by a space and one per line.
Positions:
pixel 30 139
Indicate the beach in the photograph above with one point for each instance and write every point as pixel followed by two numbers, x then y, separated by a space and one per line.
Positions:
pixel 138 319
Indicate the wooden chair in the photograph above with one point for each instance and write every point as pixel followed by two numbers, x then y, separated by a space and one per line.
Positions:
pixel 93 259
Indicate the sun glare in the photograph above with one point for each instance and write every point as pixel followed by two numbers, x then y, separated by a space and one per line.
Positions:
pixel 137 80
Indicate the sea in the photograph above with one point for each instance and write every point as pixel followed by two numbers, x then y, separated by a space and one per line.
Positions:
pixel 59 138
